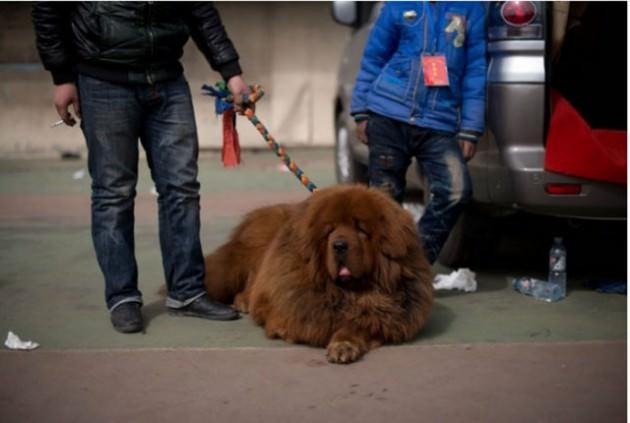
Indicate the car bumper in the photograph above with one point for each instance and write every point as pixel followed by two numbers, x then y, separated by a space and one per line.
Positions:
pixel 526 187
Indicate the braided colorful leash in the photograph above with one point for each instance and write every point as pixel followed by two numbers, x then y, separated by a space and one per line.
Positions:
pixel 225 101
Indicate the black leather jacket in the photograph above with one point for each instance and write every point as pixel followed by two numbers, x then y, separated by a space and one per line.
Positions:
pixel 138 42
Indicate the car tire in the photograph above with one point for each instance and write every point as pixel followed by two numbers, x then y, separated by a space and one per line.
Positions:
pixel 347 168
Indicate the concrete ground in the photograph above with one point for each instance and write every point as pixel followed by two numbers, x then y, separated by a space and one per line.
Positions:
pixel 493 355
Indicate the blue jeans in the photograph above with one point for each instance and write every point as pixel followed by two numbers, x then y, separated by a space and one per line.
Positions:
pixel 392 144
pixel 114 117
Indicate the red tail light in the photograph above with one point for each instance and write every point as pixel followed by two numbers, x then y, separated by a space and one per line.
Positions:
pixel 518 13
pixel 563 189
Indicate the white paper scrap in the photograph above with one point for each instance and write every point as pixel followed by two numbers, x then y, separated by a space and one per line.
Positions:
pixel 462 279
pixel 14 342
pixel 79 174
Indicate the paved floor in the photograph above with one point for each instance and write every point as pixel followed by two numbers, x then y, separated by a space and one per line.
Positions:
pixel 493 355
pixel 533 382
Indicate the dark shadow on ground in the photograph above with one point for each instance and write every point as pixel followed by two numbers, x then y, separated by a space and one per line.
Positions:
pixel 152 310
pixel 440 319
pixel 519 246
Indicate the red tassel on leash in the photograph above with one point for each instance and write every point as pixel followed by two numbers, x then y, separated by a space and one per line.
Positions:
pixel 231 152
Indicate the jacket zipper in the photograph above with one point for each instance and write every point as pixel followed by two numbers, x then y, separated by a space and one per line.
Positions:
pixel 151 40
pixel 420 70
pixel 434 102
pixel 436 90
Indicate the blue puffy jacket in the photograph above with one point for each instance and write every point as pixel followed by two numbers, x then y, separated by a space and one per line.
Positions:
pixel 391 82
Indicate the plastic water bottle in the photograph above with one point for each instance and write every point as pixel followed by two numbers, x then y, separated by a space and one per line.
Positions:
pixel 538 289
pixel 558 265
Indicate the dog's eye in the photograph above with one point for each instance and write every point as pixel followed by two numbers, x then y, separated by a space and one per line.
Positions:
pixel 363 231
pixel 361 228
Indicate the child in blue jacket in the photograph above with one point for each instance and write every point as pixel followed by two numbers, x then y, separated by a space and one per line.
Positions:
pixel 421 92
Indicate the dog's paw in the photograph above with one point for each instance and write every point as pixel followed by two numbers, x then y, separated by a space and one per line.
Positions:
pixel 342 352
pixel 276 333
pixel 241 303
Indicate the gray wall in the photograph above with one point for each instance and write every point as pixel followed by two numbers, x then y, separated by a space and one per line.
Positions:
pixel 291 49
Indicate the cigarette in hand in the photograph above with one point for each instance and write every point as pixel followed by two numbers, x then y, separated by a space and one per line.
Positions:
pixel 59 122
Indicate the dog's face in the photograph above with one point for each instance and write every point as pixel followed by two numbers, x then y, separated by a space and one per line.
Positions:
pixel 354 235
pixel 349 252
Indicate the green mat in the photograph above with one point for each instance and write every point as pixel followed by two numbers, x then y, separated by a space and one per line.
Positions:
pixel 51 289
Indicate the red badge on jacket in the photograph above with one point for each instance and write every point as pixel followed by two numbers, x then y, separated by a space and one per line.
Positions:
pixel 435 71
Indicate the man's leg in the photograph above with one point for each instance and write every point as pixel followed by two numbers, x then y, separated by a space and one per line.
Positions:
pixel 110 121
pixel 170 140
pixel 389 156
pixel 441 160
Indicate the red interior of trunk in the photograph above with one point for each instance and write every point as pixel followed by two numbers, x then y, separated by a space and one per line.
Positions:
pixel 576 149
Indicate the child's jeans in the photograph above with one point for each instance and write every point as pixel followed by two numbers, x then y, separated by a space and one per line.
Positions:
pixel 392 144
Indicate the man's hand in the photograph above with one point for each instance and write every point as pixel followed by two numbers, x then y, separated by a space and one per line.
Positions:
pixel 361 131
pixel 63 96
pixel 238 88
pixel 468 149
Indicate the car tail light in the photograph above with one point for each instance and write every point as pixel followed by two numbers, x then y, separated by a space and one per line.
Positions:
pixel 516 20
pixel 563 189
pixel 518 13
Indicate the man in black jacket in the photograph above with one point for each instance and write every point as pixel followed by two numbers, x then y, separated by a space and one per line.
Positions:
pixel 117 64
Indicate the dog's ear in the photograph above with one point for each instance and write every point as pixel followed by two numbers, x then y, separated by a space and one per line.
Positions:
pixel 306 242
pixel 305 228
pixel 398 235
pixel 309 242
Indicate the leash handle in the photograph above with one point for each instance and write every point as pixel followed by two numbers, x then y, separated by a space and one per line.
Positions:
pixel 223 96
pixel 255 93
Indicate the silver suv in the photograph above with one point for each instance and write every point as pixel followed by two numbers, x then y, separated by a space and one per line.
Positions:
pixel 507 171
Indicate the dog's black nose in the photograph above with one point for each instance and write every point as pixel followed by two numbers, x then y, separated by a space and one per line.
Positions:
pixel 340 246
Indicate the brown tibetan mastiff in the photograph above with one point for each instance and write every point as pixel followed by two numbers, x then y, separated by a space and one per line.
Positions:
pixel 343 269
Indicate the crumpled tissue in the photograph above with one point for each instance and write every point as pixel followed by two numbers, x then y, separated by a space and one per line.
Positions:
pixel 14 342
pixel 79 174
pixel 462 279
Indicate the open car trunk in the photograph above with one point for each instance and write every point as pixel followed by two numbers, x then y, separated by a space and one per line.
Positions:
pixel 590 67
pixel 587 128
